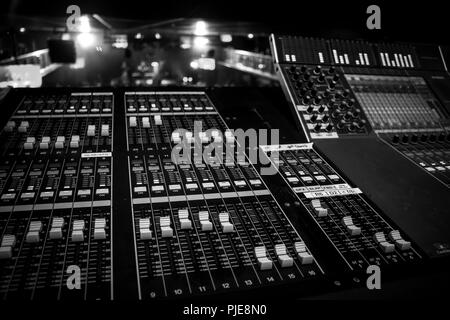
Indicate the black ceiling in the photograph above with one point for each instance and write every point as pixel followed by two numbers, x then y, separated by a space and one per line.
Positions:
pixel 402 20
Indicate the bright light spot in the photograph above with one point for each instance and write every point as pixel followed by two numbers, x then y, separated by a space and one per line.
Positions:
pixel 85 25
pixel 85 40
pixel 185 79
pixel 194 64
pixel 226 38
pixel 155 64
pixel 99 48
pixel 65 36
pixel 200 42
pixel 250 36
pixel 157 36
pixel 190 79
pixel 138 36
pixel 22 30
pixel 185 46
pixel 260 66
pixel 200 28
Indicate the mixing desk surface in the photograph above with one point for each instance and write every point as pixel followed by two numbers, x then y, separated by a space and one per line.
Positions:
pixel 153 195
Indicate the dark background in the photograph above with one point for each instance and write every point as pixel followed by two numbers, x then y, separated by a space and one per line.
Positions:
pixel 416 21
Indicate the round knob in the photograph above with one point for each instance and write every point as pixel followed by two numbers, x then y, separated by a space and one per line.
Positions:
pixel 310 109
pixel 441 136
pixel 341 124
pixel 351 102
pixel 396 138
pixel 336 77
pixel 424 137
pixel 317 99
pixel 321 78
pixel 317 127
pixel 306 76
pixel 353 126
pixel 329 127
pixel 348 115
pixel 432 137
pixel 310 84
pixel 292 69
pixel 321 109
pixel 313 118
pixel 325 118
pixel 414 138
pixel 317 69
pixel 306 99
pixel 356 112
pixel 331 70
pixel 405 138
pixel 303 69
pixel 332 84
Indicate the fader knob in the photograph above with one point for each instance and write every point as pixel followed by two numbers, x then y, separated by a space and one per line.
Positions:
pixel 317 69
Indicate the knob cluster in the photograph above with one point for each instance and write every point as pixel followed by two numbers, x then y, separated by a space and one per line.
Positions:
pixel 327 105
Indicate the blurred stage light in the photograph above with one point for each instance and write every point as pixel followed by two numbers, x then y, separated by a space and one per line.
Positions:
pixel 85 40
pixel 200 28
pixel 22 30
pixel 200 42
pixel 250 36
pixel 85 25
pixel 226 38
pixel 194 64
pixel 138 36
pixel 157 36
pixel 65 36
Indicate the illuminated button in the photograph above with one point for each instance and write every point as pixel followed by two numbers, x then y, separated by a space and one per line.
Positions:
pixel 45 143
pixel 203 216
pixel 386 246
pixel 255 182
pixel 56 228
pixel 166 230
pixel 224 219
pixel 158 188
pixel 302 253
pixel 183 216
pixel 144 229
pixel 400 243
pixel 99 229
pixel 283 257
pixel 350 226
pixel 33 232
pixel 263 260
pixel 78 230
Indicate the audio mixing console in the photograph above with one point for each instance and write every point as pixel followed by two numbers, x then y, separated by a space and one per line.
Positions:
pixel 380 113
pixel 368 182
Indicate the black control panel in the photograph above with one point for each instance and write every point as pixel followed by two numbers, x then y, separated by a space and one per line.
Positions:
pixel 379 112
pixel 118 194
